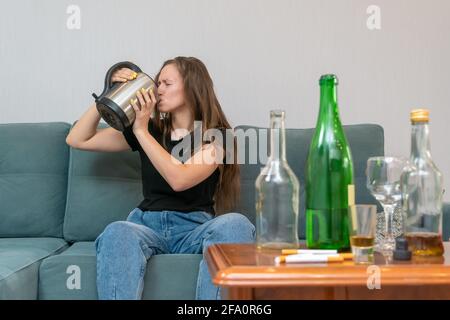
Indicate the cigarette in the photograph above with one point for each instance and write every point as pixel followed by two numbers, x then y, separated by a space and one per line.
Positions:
pixel 345 255
pixel 308 258
pixel 311 251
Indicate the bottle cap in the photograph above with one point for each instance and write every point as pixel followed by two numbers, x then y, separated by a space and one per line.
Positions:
pixel 401 251
pixel 420 115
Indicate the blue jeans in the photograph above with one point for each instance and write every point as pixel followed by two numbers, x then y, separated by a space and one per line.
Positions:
pixel 124 247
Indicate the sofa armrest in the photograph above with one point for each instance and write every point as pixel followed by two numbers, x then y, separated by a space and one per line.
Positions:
pixel 446 221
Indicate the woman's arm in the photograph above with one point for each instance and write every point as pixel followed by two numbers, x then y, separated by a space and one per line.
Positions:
pixel 178 175
pixel 85 136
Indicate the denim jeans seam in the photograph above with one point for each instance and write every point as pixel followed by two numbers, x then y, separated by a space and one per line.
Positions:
pixel 198 241
pixel 208 215
pixel 114 291
pixel 143 269
pixel 194 244
pixel 97 244
pixel 205 237
pixel 155 248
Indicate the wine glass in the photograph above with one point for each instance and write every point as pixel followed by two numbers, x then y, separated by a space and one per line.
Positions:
pixel 383 181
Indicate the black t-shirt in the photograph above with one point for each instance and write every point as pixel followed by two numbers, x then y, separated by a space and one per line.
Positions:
pixel 158 195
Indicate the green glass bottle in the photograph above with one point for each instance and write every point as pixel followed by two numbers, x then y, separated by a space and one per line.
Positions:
pixel 329 175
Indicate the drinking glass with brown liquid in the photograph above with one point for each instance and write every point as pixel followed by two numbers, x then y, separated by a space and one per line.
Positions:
pixel 362 225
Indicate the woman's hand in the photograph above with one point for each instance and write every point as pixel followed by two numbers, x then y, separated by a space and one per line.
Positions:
pixel 143 106
pixel 123 75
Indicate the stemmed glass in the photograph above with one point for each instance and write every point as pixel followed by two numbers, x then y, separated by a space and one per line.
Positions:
pixel 383 181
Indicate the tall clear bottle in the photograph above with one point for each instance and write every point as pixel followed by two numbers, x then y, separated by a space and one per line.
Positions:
pixel 329 175
pixel 277 193
pixel 422 189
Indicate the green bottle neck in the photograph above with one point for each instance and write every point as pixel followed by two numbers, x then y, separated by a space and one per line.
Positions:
pixel 329 111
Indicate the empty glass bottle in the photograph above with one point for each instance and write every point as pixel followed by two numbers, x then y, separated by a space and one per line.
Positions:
pixel 277 193
pixel 422 189
pixel 329 175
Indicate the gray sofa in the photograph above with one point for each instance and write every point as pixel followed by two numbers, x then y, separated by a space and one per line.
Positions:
pixel 55 200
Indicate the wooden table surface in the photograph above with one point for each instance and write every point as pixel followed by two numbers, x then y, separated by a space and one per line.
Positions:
pixel 244 272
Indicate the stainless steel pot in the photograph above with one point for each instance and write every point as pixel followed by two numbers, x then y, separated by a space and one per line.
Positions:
pixel 113 104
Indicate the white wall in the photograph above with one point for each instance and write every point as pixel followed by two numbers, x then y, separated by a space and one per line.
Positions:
pixel 262 54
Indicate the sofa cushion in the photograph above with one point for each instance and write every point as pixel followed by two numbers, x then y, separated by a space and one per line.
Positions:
pixel 19 264
pixel 33 179
pixel 171 276
pixel 102 188
pixel 366 140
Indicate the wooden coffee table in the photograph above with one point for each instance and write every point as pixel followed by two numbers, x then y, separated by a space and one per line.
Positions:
pixel 243 272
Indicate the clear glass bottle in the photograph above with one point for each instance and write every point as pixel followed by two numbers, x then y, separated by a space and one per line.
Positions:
pixel 422 189
pixel 277 194
pixel 329 175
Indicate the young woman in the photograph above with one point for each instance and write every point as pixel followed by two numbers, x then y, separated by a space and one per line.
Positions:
pixel 185 202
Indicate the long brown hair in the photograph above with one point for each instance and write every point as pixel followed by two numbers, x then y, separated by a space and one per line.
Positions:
pixel 200 95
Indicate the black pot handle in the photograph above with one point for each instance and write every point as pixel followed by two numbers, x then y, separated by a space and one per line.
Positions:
pixel 108 83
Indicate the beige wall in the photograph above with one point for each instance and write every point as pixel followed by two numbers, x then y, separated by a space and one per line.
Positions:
pixel 262 54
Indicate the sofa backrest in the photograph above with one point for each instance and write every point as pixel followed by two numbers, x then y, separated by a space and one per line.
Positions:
pixel 33 179
pixel 365 140
pixel 102 188
pixel 48 189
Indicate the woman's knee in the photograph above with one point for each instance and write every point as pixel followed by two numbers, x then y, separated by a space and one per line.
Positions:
pixel 235 227
pixel 116 233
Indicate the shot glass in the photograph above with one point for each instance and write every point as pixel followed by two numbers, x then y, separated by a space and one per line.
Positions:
pixel 362 220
